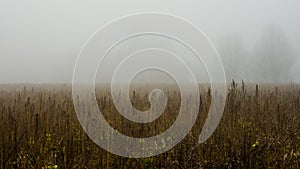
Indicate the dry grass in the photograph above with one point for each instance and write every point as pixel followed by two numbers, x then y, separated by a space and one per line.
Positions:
pixel 260 128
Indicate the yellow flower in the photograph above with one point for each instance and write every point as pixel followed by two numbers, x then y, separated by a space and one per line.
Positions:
pixel 255 144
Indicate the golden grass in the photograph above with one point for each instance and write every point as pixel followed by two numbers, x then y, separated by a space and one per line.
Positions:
pixel 260 128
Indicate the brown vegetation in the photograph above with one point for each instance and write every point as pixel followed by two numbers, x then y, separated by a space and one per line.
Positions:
pixel 260 128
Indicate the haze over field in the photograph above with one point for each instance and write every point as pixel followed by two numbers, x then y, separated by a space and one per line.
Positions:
pixel 258 41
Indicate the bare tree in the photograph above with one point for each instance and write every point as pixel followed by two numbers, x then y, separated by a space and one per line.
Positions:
pixel 231 53
pixel 274 54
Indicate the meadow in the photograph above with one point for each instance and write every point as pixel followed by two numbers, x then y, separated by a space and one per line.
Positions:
pixel 260 128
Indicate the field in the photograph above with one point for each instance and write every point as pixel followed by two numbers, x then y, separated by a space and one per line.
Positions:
pixel 260 128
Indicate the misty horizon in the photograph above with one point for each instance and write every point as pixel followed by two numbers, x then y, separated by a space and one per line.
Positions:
pixel 256 41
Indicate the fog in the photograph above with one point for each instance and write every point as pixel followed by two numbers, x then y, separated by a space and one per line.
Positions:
pixel 258 41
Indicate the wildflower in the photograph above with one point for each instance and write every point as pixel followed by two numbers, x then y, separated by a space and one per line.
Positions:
pixel 255 144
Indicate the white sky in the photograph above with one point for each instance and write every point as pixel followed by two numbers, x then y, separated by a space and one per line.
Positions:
pixel 39 41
